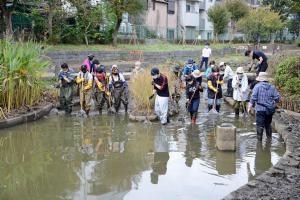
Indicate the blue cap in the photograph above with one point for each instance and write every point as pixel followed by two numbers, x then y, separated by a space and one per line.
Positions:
pixel 191 61
pixel 154 71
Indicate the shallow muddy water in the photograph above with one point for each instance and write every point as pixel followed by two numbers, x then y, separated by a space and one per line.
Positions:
pixel 109 157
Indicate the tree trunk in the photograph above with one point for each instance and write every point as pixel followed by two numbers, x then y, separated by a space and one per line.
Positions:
pixel 115 33
pixel 231 31
pixel 2 22
pixel 8 22
pixel 50 22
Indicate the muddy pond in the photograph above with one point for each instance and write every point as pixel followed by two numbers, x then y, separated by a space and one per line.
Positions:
pixel 109 157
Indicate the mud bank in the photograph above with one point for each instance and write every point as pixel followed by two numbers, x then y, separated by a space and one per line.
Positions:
pixel 282 181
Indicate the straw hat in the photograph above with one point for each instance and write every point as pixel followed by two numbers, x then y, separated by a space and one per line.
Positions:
pixel 263 76
pixel 137 63
pixel 196 73
pixel 221 64
pixel 240 70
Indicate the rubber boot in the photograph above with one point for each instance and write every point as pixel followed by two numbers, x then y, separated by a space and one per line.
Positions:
pixel 237 112
pixel 269 132
pixel 168 119
pixel 210 107
pixel 191 114
pixel 218 108
pixel 259 131
pixel 126 107
pixel 87 112
pixel 194 120
pixel 100 111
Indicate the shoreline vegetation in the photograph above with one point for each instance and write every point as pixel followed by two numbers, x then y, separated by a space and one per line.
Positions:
pixel 21 86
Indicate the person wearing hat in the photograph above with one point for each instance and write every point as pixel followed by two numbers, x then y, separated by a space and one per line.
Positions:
pixel 119 88
pixel 264 97
pixel 262 60
pixel 214 89
pixel 102 94
pixel 228 76
pixel 240 86
pixel 209 69
pixel 193 89
pixel 66 81
pixel 137 68
pixel 85 81
pixel 178 83
pixel 206 53
pixel 189 68
pixel 161 89
pixel 89 62
pixel 197 76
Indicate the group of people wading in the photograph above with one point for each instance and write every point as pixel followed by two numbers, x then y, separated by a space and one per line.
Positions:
pixel 93 82
pixel 112 89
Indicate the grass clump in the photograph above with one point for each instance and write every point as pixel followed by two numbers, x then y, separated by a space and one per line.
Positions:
pixel 20 71
pixel 141 88
pixel 288 76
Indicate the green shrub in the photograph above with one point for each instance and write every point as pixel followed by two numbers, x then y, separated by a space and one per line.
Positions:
pixel 288 75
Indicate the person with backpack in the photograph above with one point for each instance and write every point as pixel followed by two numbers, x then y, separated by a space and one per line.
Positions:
pixel 264 97
pixel 66 81
pixel 161 89
pixel 193 89
pixel 119 88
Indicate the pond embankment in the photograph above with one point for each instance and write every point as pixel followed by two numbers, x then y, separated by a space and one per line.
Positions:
pixel 282 181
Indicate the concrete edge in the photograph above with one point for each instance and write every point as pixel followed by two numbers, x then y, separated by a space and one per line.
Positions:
pixel 287 137
pixel 28 117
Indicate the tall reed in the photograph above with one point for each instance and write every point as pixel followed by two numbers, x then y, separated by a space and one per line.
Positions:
pixel 21 66
pixel 140 88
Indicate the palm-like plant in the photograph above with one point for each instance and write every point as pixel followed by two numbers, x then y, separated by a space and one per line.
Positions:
pixel 20 71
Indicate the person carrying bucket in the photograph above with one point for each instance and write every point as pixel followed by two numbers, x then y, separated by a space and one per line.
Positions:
pixel 66 81
pixel 214 89
pixel 119 88
pixel 161 89
pixel 193 90
pixel 240 86
pixel 102 94
pixel 85 82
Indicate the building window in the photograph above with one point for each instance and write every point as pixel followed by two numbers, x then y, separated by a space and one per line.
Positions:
pixel 190 7
pixel 171 6
pixel 153 7
pixel 171 34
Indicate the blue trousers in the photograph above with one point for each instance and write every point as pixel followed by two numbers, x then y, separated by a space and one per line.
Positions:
pixel 204 60
pixel 193 107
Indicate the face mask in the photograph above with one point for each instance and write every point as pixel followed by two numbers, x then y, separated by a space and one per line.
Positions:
pixel 155 76
pixel 84 70
pixel 190 82
pixel 240 76
pixel 206 46
pixel 65 69
pixel 190 65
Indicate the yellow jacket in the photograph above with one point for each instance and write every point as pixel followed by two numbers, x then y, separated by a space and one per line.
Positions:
pixel 210 85
pixel 86 79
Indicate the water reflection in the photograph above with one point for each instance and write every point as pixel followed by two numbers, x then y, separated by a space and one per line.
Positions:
pixel 108 157
pixel 262 159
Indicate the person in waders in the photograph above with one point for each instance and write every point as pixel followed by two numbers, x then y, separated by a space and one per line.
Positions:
pixel 161 89
pixel 193 90
pixel 264 97
pixel 214 89
pixel 228 76
pixel 102 94
pixel 178 84
pixel 119 88
pixel 89 62
pixel 240 87
pixel 66 81
pixel 85 82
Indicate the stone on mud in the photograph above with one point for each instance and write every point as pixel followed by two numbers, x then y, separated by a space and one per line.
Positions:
pixel 226 137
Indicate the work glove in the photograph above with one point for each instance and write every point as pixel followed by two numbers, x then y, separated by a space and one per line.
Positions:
pixel 151 97
pixel 216 90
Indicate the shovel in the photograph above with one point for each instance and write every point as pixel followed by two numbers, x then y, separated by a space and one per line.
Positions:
pixel 213 110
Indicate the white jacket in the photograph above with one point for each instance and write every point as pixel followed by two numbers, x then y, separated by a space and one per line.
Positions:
pixel 228 73
pixel 240 93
